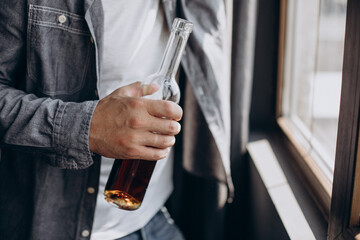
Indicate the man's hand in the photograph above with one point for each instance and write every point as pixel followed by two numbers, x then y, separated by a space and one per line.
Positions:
pixel 126 126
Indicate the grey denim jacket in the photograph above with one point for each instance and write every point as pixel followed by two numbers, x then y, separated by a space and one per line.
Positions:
pixel 49 67
pixel 50 59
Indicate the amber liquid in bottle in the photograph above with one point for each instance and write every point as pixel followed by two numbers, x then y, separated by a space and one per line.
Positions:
pixel 127 183
pixel 129 179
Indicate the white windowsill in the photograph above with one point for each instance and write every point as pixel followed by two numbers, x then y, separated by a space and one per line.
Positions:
pixel 279 190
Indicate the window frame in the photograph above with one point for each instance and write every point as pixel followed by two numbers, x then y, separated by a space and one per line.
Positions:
pixel 343 209
pixel 340 201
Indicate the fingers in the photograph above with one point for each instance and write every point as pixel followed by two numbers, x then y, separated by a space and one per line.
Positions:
pixel 153 124
pixel 164 109
pixel 164 126
pixel 147 153
pixel 155 140
pixel 154 153
pixel 147 146
pixel 159 135
pixel 156 108
pixel 133 127
pixel 161 117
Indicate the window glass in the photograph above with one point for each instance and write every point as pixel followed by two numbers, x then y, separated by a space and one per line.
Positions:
pixel 312 75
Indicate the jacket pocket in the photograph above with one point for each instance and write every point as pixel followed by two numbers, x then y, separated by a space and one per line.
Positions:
pixel 59 47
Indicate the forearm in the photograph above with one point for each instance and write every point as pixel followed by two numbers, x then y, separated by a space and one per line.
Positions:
pixel 52 127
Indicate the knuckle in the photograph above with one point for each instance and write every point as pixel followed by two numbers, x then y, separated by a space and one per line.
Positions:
pixel 122 141
pixel 135 122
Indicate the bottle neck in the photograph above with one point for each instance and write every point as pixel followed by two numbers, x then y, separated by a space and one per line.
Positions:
pixel 173 52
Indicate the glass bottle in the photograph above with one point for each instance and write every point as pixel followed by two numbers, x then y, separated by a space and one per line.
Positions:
pixel 128 179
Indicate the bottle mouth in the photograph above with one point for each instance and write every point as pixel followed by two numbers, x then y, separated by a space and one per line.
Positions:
pixel 183 25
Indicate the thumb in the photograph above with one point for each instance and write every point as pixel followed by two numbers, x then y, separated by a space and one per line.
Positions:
pixel 131 90
pixel 148 89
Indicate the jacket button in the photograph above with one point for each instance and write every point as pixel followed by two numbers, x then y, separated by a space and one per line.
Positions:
pixel 85 233
pixel 62 19
pixel 91 190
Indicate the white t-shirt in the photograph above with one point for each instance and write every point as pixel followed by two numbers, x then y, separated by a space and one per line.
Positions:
pixel 135 38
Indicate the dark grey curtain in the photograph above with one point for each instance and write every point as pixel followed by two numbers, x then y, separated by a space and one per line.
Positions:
pixel 243 56
pixel 244 18
pixel 197 204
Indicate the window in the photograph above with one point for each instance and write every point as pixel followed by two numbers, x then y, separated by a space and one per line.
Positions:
pixel 311 57
pixel 318 104
pixel 312 75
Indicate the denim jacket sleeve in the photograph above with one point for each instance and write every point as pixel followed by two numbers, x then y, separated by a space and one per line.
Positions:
pixel 56 130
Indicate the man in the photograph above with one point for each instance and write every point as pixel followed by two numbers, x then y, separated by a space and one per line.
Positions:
pixel 135 37
pixel 52 127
